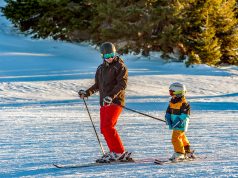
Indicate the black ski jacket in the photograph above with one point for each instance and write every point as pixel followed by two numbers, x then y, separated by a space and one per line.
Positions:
pixel 110 80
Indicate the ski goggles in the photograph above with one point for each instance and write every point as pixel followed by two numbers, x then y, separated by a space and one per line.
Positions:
pixel 109 55
pixel 172 92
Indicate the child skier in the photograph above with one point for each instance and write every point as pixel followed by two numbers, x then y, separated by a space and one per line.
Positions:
pixel 177 117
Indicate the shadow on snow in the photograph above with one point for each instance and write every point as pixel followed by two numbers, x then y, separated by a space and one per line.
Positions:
pixel 140 105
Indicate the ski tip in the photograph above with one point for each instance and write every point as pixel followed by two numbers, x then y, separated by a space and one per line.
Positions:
pixel 128 160
pixel 157 161
pixel 56 165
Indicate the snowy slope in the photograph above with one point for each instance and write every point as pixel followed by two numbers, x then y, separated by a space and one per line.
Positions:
pixel 42 120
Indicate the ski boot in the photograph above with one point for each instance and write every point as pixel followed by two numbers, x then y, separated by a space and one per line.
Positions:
pixel 189 154
pixel 177 157
pixel 126 157
pixel 113 157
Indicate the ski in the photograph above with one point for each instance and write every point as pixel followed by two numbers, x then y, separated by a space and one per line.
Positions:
pixel 167 161
pixel 139 161
pixel 94 164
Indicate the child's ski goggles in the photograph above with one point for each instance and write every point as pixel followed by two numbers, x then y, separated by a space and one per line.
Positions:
pixel 109 55
pixel 172 92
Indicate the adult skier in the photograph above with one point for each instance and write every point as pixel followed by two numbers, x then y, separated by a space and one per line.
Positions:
pixel 111 81
pixel 177 117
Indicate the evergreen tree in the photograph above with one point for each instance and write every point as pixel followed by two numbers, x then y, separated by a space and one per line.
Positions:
pixel 205 30
pixel 123 22
pixel 230 47
pixel 199 33
pixel 24 15
pixel 193 58
pixel 226 25
pixel 165 17
pixel 44 18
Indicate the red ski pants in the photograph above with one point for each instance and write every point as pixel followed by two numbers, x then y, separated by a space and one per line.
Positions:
pixel 108 119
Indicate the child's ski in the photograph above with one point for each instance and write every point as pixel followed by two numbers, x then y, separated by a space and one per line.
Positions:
pixel 167 161
pixel 94 164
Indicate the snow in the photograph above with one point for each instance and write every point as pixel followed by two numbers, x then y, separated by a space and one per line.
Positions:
pixel 43 121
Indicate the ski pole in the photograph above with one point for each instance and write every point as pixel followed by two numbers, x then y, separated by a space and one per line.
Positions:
pixel 179 122
pixel 94 127
pixel 142 113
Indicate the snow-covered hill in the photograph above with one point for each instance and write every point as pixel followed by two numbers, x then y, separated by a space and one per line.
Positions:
pixel 43 121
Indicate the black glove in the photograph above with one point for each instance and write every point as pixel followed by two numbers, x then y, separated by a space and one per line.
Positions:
pixel 107 100
pixel 82 93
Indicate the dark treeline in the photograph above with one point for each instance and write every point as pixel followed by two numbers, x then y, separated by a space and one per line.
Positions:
pixel 204 30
